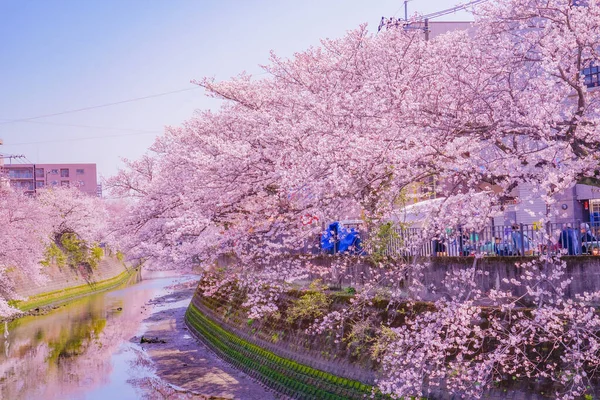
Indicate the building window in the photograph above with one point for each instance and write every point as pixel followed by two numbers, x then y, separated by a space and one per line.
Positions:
pixel 64 183
pixel 591 76
pixel 80 183
pixel 79 171
pixel 54 183
pixel 64 172
pixel 39 172
pixel 54 172
pixel 39 184
pixel 595 206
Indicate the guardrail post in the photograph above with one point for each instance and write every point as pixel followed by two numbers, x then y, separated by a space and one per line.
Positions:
pixel 522 240
pixel 549 238
pixel 460 241
pixel 577 228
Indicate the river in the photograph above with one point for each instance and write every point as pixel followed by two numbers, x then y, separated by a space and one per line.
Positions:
pixel 87 349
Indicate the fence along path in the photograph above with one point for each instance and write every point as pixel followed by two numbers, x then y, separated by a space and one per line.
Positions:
pixel 570 238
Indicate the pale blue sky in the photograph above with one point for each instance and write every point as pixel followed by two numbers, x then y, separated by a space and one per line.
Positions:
pixel 59 55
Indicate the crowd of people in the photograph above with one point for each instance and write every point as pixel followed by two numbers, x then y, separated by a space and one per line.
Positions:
pixel 517 240
pixel 504 241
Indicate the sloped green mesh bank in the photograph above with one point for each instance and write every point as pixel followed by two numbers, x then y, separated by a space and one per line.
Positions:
pixel 283 375
pixel 75 292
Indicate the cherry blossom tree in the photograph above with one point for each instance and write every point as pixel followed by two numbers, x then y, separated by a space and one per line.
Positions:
pixel 32 224
pixel 73 211
pixel 344 129
pixel 23 238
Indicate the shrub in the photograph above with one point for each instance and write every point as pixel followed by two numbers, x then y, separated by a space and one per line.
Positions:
pixel 75 248
pixel 350 290
pixel 380 243
pixel 54 255
pixel 313 304
pixel 96 255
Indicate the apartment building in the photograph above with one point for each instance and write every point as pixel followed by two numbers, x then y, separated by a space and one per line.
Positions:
pixel 31 177
pixel 3 180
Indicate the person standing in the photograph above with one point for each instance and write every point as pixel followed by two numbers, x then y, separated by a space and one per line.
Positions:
pixel 518 240
pixel 586 238
pixel 569 240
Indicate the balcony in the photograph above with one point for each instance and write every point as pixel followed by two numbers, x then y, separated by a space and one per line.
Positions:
pixel 20 174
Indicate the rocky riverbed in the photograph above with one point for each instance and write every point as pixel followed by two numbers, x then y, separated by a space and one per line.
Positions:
pixel 186 367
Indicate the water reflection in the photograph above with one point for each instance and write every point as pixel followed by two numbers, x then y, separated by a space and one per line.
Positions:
pixel 73 350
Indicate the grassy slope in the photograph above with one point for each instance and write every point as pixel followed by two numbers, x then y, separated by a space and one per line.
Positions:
pixel 72 293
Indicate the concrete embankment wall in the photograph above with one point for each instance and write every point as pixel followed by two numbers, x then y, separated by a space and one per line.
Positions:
pixel 60 278
pixel 305 375
pixel 286 376
pixel 301 381
pixel 69 283
pixel 584 271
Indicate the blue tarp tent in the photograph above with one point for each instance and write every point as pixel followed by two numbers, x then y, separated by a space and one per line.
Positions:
pixel 339 239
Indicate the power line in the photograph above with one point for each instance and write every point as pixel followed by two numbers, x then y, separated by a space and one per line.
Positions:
pixel 83 138
pixel 396 22
pixel 17 158
pixel 98 106
pixel 453 9
pixel 11 156
pixel 401 7
pixel 110 128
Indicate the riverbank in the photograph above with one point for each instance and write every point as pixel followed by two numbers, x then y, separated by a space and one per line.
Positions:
pixel 187 363
pixel 80 350
pixel 90 349
pixel 43 303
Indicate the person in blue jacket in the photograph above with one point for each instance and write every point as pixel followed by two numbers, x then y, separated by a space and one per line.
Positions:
pixel 520 240
pixel 569 240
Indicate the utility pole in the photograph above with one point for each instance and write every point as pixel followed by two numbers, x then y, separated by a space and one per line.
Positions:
pixel 34 181
pixel 10 156
pixel 426 27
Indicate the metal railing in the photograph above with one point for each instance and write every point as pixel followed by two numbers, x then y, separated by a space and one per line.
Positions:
pixel 568 238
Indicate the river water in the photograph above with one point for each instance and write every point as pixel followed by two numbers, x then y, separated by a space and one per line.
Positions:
pixel 83 350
